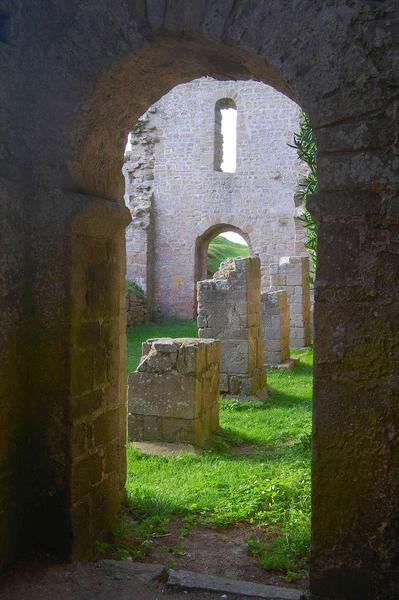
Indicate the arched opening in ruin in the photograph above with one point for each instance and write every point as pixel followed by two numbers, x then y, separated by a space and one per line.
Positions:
pixel 205 262
pixel 73 267
pixel 225 245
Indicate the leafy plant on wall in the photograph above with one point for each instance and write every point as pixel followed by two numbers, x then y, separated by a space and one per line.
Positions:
pixel 305 145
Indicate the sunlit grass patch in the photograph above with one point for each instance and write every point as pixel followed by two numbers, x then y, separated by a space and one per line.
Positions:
pixel 257 471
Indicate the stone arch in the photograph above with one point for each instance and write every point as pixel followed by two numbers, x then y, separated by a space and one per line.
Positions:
pixel 201 250
pixel 106 65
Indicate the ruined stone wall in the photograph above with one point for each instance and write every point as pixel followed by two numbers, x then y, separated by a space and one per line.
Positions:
pixel 229 309
pixel 139 177
pixel 172 163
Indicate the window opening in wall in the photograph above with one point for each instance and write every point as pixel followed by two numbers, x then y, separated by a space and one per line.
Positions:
pixel 225 135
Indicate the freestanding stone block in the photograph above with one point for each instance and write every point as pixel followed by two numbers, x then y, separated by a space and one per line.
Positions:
pixel 174 392
pixel 276 329
pixel 229 309
pixel 291 274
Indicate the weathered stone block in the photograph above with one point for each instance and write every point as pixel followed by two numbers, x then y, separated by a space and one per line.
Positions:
pixel 276 328
pixel 291 275
pixel 174 392
pixel 229 306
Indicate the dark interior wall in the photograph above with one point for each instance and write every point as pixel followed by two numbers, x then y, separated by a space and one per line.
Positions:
pixel 14 417
pixel 15 438
pixel 73 77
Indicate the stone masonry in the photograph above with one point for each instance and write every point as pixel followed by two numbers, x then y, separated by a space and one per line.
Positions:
pixel 136 308
pixel 229 309
pixel 139 198
pixel 292 275
pixel 177 196
pixel 276 328
pixel 174 393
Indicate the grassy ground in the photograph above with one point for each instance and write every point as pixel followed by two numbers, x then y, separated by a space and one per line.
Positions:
pixel 257 472
pixel 221 248
pixel 140 333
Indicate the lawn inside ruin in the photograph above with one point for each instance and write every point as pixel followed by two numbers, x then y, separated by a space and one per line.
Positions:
pixel 257 472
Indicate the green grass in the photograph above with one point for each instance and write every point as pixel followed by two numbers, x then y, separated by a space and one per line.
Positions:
pixel 257 472
pixel 138 334
pixel 221 248
pixel 132 286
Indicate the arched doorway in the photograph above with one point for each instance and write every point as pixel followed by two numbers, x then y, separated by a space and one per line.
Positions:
pixel 84 90
pixel 202 270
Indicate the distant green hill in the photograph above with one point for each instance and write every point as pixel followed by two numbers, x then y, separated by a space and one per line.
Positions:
pixel 219 249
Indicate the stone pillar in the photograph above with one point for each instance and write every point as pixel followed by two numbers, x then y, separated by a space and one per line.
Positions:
pixel 355 473
pixel 174 392
pixel 292 275
pixel 229 309
pixel 276 329
pixel 96 454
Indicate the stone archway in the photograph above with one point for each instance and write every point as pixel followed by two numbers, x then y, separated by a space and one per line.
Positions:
pixel 86 77
pixel 201 251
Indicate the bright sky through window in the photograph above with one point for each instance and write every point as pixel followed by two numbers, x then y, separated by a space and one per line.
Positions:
pixel 229 133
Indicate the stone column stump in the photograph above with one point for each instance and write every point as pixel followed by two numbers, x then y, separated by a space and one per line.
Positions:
pixel 276 330
pixel 229 309
pixel 291 274
pixel 173 396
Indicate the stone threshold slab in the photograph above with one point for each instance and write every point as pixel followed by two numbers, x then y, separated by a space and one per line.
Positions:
pixel 190 580
pixel 213 583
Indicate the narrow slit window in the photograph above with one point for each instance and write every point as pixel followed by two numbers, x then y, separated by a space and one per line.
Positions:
pixel 225 135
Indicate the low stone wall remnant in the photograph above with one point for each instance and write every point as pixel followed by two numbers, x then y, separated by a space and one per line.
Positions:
pixel 291 274
pixel 173 396
pixel 136 306
pixel 229 309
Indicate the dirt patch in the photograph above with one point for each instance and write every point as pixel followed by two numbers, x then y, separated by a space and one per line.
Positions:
pixel 43 579
pixel 222 552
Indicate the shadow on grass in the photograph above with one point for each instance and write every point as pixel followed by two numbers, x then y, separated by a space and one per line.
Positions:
pixel 242 447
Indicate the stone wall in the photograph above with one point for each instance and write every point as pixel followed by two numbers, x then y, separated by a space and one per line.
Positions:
pixel 174 392
pixel 276 328
pixel 97 406
pixel 136 308
pixel 291 274
pixel 176 195
pixel 229 309
pixel 139 177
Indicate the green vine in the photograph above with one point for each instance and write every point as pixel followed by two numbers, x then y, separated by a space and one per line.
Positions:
pixel 305 146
